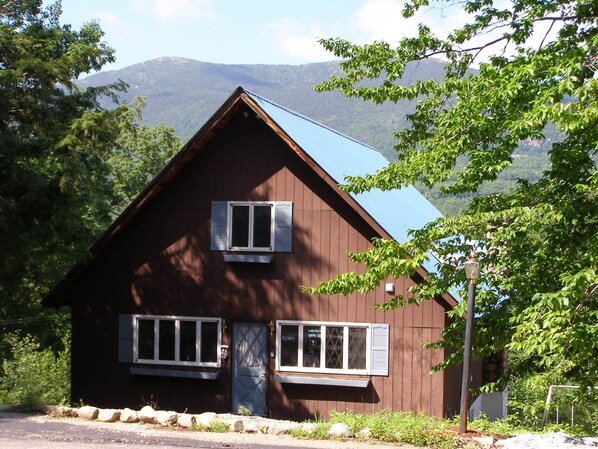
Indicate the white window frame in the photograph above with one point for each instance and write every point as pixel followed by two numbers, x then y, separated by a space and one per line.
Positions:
pixel 322 368
pixel 177 319
pixel 251 205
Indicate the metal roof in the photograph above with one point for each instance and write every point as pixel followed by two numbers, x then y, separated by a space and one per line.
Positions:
pixel 396 211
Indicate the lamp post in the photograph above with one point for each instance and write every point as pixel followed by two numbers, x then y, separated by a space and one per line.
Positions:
pixel 472 271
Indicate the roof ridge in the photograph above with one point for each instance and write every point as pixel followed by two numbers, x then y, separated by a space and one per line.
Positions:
pixel 315 122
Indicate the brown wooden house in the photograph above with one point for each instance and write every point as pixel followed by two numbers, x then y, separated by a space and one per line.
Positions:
pixel 192 298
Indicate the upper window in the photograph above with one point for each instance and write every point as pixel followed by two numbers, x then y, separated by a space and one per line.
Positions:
pixel 264 226
pixel 350 348
pixel 177 340
pixel 251 226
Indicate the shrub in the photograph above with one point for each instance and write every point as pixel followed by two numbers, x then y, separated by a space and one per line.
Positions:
pixel 33 376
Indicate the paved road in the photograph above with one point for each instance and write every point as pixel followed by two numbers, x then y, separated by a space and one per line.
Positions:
pixel 19 431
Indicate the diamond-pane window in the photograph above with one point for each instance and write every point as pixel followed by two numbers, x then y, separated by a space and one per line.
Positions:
pixel 339 348
pixel 334 347
pixel 357 347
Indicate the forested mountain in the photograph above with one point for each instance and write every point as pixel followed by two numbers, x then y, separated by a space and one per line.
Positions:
pixel 184 93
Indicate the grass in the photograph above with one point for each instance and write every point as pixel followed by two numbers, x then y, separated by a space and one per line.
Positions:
pixel 215 427
pixel 402 427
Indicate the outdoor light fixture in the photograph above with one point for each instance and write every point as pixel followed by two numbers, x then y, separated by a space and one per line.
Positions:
pixel 472 268
pixel 272 327
pixel 224 352
pixel 472 272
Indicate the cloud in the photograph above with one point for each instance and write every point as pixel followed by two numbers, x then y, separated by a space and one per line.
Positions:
pixel 297 41
pixel 383 20
pixel 174 10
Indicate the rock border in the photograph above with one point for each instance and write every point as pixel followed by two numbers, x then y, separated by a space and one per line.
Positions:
pixel 200 421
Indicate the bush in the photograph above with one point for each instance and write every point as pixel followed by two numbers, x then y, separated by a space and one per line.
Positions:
pixel 34 376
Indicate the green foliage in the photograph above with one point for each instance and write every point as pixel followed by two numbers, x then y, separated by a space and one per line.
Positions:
pixel 67 165
pixel 537 241
pixel 400 427
pixel 215 427
pixel 244 411
pixel 34 376
pixel 527 405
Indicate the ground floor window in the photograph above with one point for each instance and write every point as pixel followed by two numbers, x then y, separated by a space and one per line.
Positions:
pixel 326 347
pixel 177 340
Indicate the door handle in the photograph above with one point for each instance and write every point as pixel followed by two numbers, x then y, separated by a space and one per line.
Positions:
pixel 264 374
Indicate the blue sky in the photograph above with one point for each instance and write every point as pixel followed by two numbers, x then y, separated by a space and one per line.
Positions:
pixel 244 31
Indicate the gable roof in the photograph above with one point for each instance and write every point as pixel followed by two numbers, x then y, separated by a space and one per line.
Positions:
pixel 329 153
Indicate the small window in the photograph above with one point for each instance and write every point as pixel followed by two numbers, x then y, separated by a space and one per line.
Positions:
pixel 251 226
pixel 177 341
pixel 264 226
pixel 329 347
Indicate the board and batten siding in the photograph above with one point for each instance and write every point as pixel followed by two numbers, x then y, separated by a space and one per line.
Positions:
pixel 163 263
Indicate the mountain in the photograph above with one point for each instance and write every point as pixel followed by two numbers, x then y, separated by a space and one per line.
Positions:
pixel 184 93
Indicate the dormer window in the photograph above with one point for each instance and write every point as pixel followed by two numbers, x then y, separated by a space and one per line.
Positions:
pixel 256 226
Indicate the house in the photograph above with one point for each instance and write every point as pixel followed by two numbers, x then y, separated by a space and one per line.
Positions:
pixel 192 298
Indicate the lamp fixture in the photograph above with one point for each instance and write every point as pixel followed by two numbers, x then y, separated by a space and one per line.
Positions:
pixel 472 268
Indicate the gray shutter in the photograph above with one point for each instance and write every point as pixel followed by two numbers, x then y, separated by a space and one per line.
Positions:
pixel 379 355
pixel 125 338
pixel 219 225
pixel 283 229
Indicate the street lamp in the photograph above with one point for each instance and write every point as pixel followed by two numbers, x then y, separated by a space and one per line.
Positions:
pixel 472 271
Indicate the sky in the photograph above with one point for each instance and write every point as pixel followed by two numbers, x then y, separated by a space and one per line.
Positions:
pixel 245 31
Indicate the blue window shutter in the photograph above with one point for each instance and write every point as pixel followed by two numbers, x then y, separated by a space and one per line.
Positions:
pixel 380 349
pixel 125 338
pixel 219 225
pixel 283 230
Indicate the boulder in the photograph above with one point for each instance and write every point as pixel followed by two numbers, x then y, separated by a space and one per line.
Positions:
pixel 206 419
pixel 364 434
pixel 308 427
pixel 186 420
pixel 59 411
pixel 340 430
pixel 167 418
pixel 147 415
pixel 128 416
pixel 280 428
pixel 108 415
pixel 88 412
pixel 251 427
pixel 234 425
pixel 484 442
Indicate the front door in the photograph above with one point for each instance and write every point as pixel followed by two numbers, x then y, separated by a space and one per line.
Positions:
pixel 249 367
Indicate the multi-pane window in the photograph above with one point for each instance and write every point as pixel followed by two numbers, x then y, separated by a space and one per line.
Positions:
pixel 177 340
pixel 324 347
pixel 251 226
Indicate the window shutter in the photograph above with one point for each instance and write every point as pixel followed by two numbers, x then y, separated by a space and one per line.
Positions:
pixel 219 225
pixel 125 338
pixel 379 355
pixel 283 231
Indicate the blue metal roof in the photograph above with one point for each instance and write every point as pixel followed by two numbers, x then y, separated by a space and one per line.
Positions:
pixel 397 211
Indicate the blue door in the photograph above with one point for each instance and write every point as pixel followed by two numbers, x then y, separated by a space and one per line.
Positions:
pixel 249 367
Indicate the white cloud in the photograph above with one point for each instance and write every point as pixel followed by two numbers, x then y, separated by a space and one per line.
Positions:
pixel 174 10
pixel 383 20
pixel 297 41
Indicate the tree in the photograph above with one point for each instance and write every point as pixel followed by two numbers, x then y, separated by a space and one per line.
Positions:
pixel 538 242
pixel 59 184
